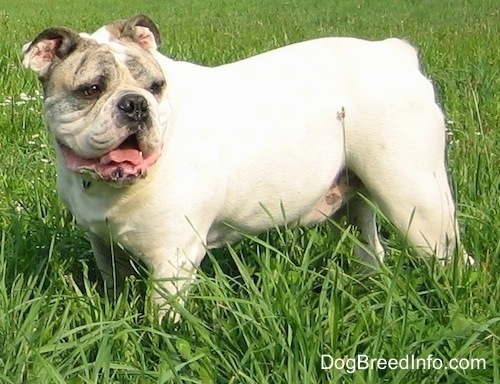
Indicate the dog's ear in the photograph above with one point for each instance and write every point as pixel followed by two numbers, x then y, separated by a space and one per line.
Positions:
pixel 48 48
pixel 142 30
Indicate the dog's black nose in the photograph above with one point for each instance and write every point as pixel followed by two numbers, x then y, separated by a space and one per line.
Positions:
pixel 135 107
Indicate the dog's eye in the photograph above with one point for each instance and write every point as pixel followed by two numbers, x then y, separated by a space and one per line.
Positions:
pixel 89 91
pixel 156 87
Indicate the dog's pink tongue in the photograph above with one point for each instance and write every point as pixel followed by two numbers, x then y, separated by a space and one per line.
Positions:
pixel 121 155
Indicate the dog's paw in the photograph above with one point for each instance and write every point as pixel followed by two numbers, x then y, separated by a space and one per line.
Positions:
pixel 468 260
pixel 168 315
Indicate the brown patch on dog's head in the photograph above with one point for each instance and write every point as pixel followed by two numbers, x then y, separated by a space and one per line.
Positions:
pixel 139 29
pixel 90 89
pixel 50 48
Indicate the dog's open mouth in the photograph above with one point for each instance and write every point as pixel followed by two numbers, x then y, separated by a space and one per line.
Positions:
pixel 123 164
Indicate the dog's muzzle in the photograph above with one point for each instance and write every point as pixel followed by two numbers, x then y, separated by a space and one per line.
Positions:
pixel 130 159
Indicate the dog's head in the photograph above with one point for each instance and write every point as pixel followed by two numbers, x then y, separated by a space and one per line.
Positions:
pixel 105 104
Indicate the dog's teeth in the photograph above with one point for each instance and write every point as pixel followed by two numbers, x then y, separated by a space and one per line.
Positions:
pixel 140 153
pixel 117 173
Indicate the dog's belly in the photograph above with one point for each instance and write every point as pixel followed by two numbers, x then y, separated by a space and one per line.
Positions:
pixel 330 201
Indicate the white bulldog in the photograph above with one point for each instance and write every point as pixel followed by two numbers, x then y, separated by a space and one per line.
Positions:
pixel 169 159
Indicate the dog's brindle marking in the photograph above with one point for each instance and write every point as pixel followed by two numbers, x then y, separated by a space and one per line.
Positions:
pixel 104 67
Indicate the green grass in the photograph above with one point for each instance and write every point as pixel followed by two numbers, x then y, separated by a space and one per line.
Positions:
pixel 266 309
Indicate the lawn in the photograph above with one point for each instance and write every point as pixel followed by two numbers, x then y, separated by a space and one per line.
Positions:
pixel 266 309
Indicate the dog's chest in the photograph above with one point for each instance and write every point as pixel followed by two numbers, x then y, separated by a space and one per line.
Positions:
pixel 104 211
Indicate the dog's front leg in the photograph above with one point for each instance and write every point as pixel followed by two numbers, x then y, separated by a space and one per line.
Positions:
pixel 173 271
pixel 113 263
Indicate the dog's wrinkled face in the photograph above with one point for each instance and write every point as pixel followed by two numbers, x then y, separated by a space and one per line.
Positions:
pixel 104 104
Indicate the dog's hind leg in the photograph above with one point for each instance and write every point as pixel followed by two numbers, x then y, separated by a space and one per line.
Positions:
pixel 403 168
pixel 361 214
pixel 421 206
